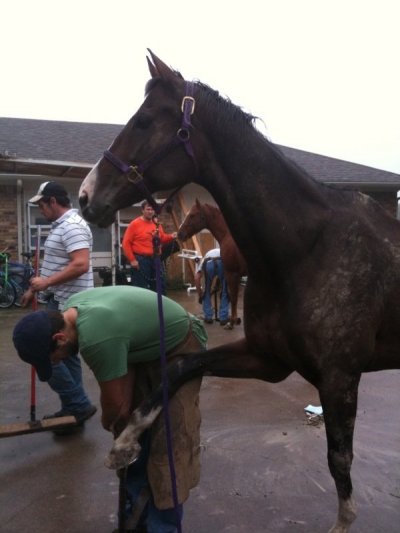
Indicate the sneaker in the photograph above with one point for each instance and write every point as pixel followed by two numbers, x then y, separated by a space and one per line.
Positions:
pixel 208 320
pixel 85 414
pixel 80 416
pixel 58 414
pixel 223 322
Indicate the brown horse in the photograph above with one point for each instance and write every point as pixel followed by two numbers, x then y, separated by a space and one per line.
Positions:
pixel 323 290
pixel 208 216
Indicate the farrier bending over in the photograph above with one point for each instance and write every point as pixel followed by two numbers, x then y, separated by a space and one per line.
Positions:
pixel 117 332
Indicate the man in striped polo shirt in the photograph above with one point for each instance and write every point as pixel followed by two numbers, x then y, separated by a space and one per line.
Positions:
pixel 66 270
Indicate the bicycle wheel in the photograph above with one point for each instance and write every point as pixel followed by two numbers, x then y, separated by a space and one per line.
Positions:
pixel 19 283
pixel 19 291
pixel 7 293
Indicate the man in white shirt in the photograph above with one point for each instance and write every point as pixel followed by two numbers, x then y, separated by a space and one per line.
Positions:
pixel 66 270
pixel 211 266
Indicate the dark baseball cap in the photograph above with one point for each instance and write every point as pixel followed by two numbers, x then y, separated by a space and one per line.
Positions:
pixel 33 341
pixel 47 190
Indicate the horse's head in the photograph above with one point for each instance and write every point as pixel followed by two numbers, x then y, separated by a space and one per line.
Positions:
pixel 194 222
pixel 153 152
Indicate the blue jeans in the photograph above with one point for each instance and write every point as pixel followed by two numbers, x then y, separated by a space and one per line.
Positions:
pixel 214 267
pixel 145 276
pixel 66 379
pixel 156 521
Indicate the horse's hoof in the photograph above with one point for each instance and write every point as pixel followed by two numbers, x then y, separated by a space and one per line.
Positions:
pixel 238 321
pixel 116 463
pixel 121 458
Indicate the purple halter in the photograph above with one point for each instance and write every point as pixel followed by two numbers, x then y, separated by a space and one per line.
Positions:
pixel 134 173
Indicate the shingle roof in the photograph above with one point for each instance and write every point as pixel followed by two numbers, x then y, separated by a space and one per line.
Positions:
pixel 54 140
pixel 80 142
pixel 332 170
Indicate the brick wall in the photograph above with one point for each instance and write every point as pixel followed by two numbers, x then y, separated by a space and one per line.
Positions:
pixel 8 219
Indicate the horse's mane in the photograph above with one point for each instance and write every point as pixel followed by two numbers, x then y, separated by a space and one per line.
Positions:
pixel 238 121
pixel 232 112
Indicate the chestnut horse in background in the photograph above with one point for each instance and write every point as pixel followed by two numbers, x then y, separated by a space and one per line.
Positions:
pixel 323 289
pixel 207 216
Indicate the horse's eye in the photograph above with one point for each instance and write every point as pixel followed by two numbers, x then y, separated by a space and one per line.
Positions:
pixel 142 121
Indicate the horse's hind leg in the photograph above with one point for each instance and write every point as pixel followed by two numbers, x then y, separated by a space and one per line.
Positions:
pixel 339 402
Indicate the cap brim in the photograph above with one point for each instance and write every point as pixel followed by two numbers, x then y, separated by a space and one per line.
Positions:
pixel 44 372
pixel 35 199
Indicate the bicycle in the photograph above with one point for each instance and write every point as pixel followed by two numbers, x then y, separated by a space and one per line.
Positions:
pixel 20 274
pixel 8 293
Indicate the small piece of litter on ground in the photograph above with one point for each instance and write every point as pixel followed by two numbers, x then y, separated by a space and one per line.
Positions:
pixel 314 409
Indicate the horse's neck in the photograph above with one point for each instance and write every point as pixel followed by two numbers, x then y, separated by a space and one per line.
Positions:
pixel 215 223
pixel 269 205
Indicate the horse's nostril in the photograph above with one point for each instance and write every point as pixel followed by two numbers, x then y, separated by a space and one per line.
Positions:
pixel 83 200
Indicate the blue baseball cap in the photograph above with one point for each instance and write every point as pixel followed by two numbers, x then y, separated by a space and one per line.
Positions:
pixel 33 341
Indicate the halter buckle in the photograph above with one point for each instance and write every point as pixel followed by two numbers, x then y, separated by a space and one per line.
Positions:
pixel 134 176
pixel 190 101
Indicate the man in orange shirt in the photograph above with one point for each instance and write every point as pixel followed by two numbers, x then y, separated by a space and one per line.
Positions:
pixel 137 245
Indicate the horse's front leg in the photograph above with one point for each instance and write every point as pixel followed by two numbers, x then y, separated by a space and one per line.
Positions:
pixel 339 402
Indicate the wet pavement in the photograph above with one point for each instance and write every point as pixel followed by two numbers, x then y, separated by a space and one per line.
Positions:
pixel 264 467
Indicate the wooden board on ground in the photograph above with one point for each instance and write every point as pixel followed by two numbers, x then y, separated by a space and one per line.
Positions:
pixel 48 424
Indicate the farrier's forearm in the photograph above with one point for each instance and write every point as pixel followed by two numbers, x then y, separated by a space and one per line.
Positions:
pixel 117 402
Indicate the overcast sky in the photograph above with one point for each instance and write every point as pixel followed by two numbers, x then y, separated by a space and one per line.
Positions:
pixel 322 75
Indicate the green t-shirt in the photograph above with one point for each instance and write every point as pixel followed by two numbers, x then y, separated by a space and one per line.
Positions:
pixel 119 326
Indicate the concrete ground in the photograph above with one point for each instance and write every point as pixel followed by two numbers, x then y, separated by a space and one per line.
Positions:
pixel 264 467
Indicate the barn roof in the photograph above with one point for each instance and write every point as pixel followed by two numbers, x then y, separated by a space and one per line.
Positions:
pixel 70 149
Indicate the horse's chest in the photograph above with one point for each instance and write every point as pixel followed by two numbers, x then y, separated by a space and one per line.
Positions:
pixel 263 329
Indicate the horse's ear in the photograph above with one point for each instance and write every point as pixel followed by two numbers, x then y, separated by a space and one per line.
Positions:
pixel 198 203
pixel 152 68
pixel 159 69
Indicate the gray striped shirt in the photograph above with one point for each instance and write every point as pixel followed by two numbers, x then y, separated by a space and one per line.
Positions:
pixel 69 233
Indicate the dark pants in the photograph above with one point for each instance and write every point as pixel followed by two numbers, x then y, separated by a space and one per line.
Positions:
pixel 155 520
pixel 214 267
pixel 66 379
pixel 145 275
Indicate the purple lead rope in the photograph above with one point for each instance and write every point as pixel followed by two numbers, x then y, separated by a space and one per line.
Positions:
pixel 182 137
pixel 163 356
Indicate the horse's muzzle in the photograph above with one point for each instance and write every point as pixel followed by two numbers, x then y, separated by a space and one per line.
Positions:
pixel 102 217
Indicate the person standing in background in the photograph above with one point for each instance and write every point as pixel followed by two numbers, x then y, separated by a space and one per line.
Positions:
pixel 212 267
pixel 66 270
pixel 137 246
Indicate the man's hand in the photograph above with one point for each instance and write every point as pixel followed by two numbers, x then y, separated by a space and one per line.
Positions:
pixel 39 284
pixel 135 264
pixel 27 297
pixel 115 427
